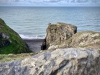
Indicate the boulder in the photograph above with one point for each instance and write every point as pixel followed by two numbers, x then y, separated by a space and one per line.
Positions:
pixel 84 39
pixel 10 41
pixel 68 61
pixel 57 34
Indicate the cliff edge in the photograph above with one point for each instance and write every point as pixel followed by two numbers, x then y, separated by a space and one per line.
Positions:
pixel 10 41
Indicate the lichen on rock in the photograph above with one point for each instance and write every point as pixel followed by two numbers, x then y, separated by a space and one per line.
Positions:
pixel 10 41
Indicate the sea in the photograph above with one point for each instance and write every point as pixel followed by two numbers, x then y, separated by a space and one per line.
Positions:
pixel 31 22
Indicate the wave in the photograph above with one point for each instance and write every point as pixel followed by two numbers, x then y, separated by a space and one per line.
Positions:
pixel 31 37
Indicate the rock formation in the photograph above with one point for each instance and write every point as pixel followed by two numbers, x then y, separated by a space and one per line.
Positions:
pixel 85 39
pixel 70 61
pixel 57 34
pixel 10 41
pixel 5 42
pixel 63 35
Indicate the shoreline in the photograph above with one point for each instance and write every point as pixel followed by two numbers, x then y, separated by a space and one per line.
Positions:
pixel 34 44
pixel 32 39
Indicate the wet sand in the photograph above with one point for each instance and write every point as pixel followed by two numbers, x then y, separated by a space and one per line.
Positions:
pixel 34 44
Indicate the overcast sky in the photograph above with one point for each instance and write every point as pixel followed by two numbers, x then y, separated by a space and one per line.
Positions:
pixel 50 2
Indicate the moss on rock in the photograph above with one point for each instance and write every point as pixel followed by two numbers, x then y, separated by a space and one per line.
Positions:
pixel 10 41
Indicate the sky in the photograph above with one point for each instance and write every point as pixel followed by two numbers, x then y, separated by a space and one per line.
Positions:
pixel 49 2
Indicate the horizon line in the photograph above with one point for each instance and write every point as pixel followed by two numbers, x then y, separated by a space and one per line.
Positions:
pixel 49 5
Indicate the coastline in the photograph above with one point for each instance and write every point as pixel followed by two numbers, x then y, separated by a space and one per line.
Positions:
pixel 34 44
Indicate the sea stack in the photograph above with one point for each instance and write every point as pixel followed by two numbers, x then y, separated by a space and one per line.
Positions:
pixel 57 34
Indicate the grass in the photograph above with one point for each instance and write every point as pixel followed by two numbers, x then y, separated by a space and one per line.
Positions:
pixel 10 57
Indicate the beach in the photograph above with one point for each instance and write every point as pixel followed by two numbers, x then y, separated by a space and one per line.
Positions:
pixel 34 44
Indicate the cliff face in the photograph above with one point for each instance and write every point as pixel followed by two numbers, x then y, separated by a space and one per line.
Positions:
pixel 70 61
pixel 10 41
pixel 57 34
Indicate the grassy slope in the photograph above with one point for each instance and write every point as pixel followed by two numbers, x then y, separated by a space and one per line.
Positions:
pixel 17 46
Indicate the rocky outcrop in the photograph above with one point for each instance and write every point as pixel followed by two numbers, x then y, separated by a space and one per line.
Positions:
pixel 57 34
pixel 10 41
pixel 63 35
pixel 71 61
pixel 6 41
pixel 85 39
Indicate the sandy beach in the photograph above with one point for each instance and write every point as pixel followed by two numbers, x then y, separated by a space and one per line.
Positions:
pixel 34 44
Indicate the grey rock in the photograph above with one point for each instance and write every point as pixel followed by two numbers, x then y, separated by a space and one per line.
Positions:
pixel 5 43
pixel 71 61
pixel 4 35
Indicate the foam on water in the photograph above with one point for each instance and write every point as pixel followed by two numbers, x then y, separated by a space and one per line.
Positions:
pixel 31 37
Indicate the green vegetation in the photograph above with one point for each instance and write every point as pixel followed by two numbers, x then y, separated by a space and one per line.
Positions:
pixel 17 44
pixel 10 57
